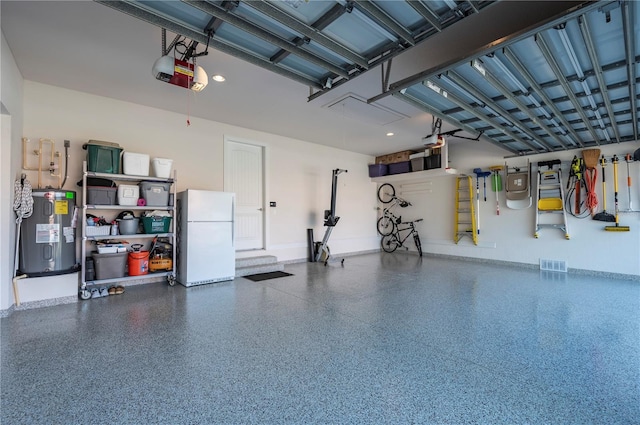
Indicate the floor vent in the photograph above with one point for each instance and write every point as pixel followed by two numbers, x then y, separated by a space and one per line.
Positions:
pixel 553 265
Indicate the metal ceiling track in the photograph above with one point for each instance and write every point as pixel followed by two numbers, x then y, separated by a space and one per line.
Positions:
pixel 557 87
pixel 136 10
pixel 320 50
pixel 436 113
pixel 533 76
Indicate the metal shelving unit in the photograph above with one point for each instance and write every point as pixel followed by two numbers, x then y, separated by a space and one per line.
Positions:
pixel 86 240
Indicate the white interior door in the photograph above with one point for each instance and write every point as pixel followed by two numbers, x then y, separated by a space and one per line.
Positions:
pixel 244 175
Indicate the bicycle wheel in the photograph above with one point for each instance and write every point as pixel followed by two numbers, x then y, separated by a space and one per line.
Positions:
pixel 416 239
pixel 386 225
pixel 389 243
pixel 386 192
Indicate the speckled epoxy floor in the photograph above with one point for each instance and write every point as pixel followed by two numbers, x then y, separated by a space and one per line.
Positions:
pixel 389 338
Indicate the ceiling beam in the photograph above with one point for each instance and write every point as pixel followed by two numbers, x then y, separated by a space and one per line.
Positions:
pixel 197 35
pixel 476 35
pixel 473 5
pixel 453 98
pixel 225 15
pixel 504 90
pixel 330 17
pixel 595 63
pixel 555 68
pixel 385 20
pixel 427 14
pixel 392 50
pixel 313 34
pixel 629 37
pixel 495 106
pixel 447 118
pixel 547 102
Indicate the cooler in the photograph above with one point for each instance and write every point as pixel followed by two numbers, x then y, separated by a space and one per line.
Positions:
pixel 135 164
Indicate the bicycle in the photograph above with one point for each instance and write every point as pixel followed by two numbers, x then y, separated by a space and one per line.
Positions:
pixel 393 241
pixel 387 222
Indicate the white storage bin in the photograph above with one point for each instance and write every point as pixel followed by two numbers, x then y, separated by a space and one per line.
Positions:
pixel 111 249
pixel 135 164
pixel 161 167
pixel 98 230
pixel 128 194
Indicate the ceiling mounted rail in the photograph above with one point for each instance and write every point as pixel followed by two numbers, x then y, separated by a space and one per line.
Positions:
pixel 485 117
pixel 387 21
pixel 629 11
pixel 549 103
pixel 525 109
pixel 226 16
pixel 556 75
pixel 432 18
pixel 582 79
pixel 135 10
pixel 569 84
pixel 436 113
pixel 313 31
pixel 553 128
pixel 546 52
pixel 526 136
pixel 321 44
pixel 593 56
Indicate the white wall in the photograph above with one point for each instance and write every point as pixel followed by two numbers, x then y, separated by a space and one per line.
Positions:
pixel 11 99
pixel 509 236
pixel 299 180
pixel 298 173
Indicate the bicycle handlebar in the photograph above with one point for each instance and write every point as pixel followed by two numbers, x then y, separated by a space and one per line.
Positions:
pixel 402 202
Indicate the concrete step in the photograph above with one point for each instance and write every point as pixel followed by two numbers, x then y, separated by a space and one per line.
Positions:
pixel 259 260
pixel 259 264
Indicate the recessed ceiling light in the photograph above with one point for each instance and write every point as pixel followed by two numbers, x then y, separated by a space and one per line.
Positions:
pixel 219 78
pixel 389 134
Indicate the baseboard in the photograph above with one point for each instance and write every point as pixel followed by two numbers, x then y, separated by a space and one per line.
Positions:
pixel 7 312
pixel 46 303
pixel 582 272
pixel 344 255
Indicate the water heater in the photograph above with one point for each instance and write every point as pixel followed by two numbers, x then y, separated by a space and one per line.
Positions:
pixel 47 238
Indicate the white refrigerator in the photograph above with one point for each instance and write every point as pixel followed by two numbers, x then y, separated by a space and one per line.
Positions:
pixel 206 248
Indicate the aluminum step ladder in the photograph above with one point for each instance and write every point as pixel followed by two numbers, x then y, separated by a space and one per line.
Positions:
pixel 550 199
pixel 465 218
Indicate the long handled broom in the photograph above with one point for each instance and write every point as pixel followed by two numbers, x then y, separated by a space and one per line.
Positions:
pixel 484 174
pixel 604 215
pixel 617 227
pixel 496 184
pixel 628 158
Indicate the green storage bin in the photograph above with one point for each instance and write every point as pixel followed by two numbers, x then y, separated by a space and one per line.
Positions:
pixel 156 224
pixel 103 157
